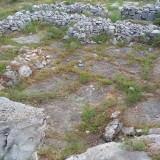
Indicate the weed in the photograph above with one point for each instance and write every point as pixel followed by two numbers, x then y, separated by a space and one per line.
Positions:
pixel 2 67
pixel 122 43
pixel 84 77
pixel 101 38
pixel 147 64
pixel 27 7
pixel 72 44
pixel 115 16
pixel 134 145
pixel 109 103
pixel 94 119
pixel 132 90
pixel 8 55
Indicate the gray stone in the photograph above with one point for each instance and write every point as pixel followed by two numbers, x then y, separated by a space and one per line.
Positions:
pixel 28 39
pixel 154 131
pixel 112 129
pixel 24 71
pixel 115 115
pixel 22 130
pixel 128 131
pixel 110 151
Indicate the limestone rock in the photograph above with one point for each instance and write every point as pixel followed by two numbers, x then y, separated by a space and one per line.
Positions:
pixel 128 131
pixel 112 130
pixel 110 151
pixel 22 130
pixel 25 71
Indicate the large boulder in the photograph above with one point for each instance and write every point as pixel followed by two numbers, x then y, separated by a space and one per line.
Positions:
pixel 110 151
pixel 22 130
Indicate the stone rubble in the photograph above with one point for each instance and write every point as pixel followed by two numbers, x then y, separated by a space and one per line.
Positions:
pixel 148 12
pixel 121 30
pixel 27 61
pixel 85 27
pixel 97 10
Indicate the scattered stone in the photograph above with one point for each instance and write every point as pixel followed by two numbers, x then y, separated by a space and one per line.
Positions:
pixel 115 115
pixel 139 132
pixel 110 151
pixel 24 71
pixel 128 131
pixel 150 49
pixel 112 130
pixel 22 130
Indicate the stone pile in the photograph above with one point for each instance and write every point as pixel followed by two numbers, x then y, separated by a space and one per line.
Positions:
pixel 148 12
pixel 121 30
pixel 97 10
pixel 23 65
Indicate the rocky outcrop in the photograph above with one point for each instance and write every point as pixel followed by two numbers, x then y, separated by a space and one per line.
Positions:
pixel 110 151
pixel 22 130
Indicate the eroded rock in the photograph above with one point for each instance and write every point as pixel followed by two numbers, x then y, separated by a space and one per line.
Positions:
pixel 22 130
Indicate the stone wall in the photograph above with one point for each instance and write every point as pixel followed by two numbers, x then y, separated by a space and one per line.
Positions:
pixel 148 12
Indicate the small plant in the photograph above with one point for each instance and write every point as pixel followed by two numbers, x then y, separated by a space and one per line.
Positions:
pixel 2 67
pixel 69 2
pixel 132 90
pixel 101 38
pixel 72 44
pixel 27 7
pixel 84 77
pixel 122 43
pixel 94 119
pixel 115 16
pixel 109 103
pixel 134 145
pixel 8 55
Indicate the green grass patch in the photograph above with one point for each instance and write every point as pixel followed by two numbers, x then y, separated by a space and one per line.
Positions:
pixel 84 77
pixel 133 91
pixel 147 65
pixel 8 55
pixel 94 119
pixel 101 38
pixel 2 67
pixel 115 16
pixel 134 145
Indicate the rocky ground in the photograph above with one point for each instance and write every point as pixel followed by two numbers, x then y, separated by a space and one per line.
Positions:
pixel 97 82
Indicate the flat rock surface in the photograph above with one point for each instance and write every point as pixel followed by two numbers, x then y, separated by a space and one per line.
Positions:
pixel 104 69
pixel 118 51
pixel 110 151
pixel 51 84
pixel 28 39
pixel 147 112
